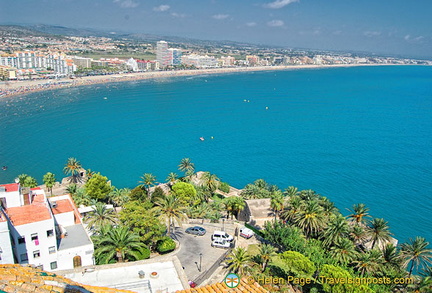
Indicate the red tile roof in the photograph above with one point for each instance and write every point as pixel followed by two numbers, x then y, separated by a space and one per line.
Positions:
pixel 63 206
pixel 35 212
pixel 10 187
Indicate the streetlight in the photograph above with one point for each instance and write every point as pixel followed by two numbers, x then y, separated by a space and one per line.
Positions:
pixel 200 266
pixel 223 224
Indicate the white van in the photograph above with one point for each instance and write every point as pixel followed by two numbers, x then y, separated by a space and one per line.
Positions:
pixel 221 235
pixel 246 233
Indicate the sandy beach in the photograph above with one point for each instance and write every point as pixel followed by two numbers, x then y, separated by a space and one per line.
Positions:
pixel 20 87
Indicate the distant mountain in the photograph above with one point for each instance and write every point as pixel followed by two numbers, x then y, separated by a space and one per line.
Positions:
pixel 58 31
pixel 21 31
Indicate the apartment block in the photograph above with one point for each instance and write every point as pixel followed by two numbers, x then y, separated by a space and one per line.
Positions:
pixel 40 231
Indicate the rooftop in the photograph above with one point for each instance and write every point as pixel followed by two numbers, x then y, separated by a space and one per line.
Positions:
pixel 35 212
pixel 17 278
pixel 10 187
pixel 125 276
pixel 63 206
pixel 76 236
pixel 244 286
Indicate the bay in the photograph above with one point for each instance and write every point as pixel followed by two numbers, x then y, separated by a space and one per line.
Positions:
pixel 358 134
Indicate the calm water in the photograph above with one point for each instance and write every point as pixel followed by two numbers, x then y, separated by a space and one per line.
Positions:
pixel 352 134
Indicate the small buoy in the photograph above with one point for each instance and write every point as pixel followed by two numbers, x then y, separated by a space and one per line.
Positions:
pixel 105 98
pixel 244 100
pixel 211 137
pixel 266 108
pixel 248 101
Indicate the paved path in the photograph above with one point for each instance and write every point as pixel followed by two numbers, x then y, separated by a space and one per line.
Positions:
pixel 192 246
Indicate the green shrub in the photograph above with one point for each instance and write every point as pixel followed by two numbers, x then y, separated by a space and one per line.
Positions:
pixel 144 253
pixel 224 187
pixel 165 245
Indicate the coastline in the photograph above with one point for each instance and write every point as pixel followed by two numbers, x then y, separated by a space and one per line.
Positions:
pixel 21 87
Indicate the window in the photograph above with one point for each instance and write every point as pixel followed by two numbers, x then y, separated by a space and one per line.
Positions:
pixel 34 237
pixel 50 233
pixel 21 240
pixel 51 249
pixel 24 257
pixel 53 265
pixel 36 253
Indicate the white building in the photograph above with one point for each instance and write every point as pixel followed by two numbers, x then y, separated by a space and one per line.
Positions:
pixel 175 56
pixel 32 60
pixel 163 55
pixel 132 64
pixel 45 233
pixel 200 61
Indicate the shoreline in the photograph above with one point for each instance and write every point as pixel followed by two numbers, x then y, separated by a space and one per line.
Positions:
pixel 22 87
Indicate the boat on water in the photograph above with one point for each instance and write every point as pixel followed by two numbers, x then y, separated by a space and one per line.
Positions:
pixel 4 168
pixel 202 138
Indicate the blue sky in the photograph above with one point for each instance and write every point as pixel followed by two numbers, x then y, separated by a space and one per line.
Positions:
pixel 378 26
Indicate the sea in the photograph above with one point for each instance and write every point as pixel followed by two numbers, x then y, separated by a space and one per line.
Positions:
pixel 354 135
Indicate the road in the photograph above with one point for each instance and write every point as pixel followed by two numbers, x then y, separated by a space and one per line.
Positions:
pixel 196 254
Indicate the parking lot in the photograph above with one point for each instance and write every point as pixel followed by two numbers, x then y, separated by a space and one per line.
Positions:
pixel 196 254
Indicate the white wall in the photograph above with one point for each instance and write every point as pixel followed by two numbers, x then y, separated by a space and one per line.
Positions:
pixel 13 199
pixel 6 253
pixel 65 219
pixel 65 256
pixel 30 246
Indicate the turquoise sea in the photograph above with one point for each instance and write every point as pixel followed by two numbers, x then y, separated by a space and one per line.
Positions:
pixel 360 134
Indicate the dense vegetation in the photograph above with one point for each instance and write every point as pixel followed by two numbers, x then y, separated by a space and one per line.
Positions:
pixel 308 238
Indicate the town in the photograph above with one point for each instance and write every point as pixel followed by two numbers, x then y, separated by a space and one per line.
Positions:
pixel 31 55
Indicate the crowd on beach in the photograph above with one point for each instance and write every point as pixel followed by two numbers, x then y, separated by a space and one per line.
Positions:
pixel 19 87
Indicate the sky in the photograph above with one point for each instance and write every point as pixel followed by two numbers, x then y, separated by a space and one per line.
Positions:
pixel 384 27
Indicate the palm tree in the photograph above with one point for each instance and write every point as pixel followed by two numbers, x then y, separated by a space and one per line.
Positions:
pixel 119 243
pixel 369 262
pixel 358 213
pixel 310 218
pixel 186 166
pixel 147 180
pixel 100 216
pixel 119 196
pixel 291 191
pixel 294 205
pixel 210 181
pixel 21 178
pixel 343 251
pixel 170 209
pixel 358 235
pixel 90 173
pixel 49 181
pixel 73 168
pixel 277 203
pixel 391 257
pixel 239 261
pixel 378 231
pixel 337 229
pixel 172 178
pixel 251 191
pixel 266 252
pixel 234 205
pixel 417 253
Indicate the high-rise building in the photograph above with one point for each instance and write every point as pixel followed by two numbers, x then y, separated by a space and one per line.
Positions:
pixel 175 56
pixel 163 55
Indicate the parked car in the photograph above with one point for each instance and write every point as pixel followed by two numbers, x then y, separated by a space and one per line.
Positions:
pixel 221 235
pixel 221 243
pixel 246 233
pixel 197 230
